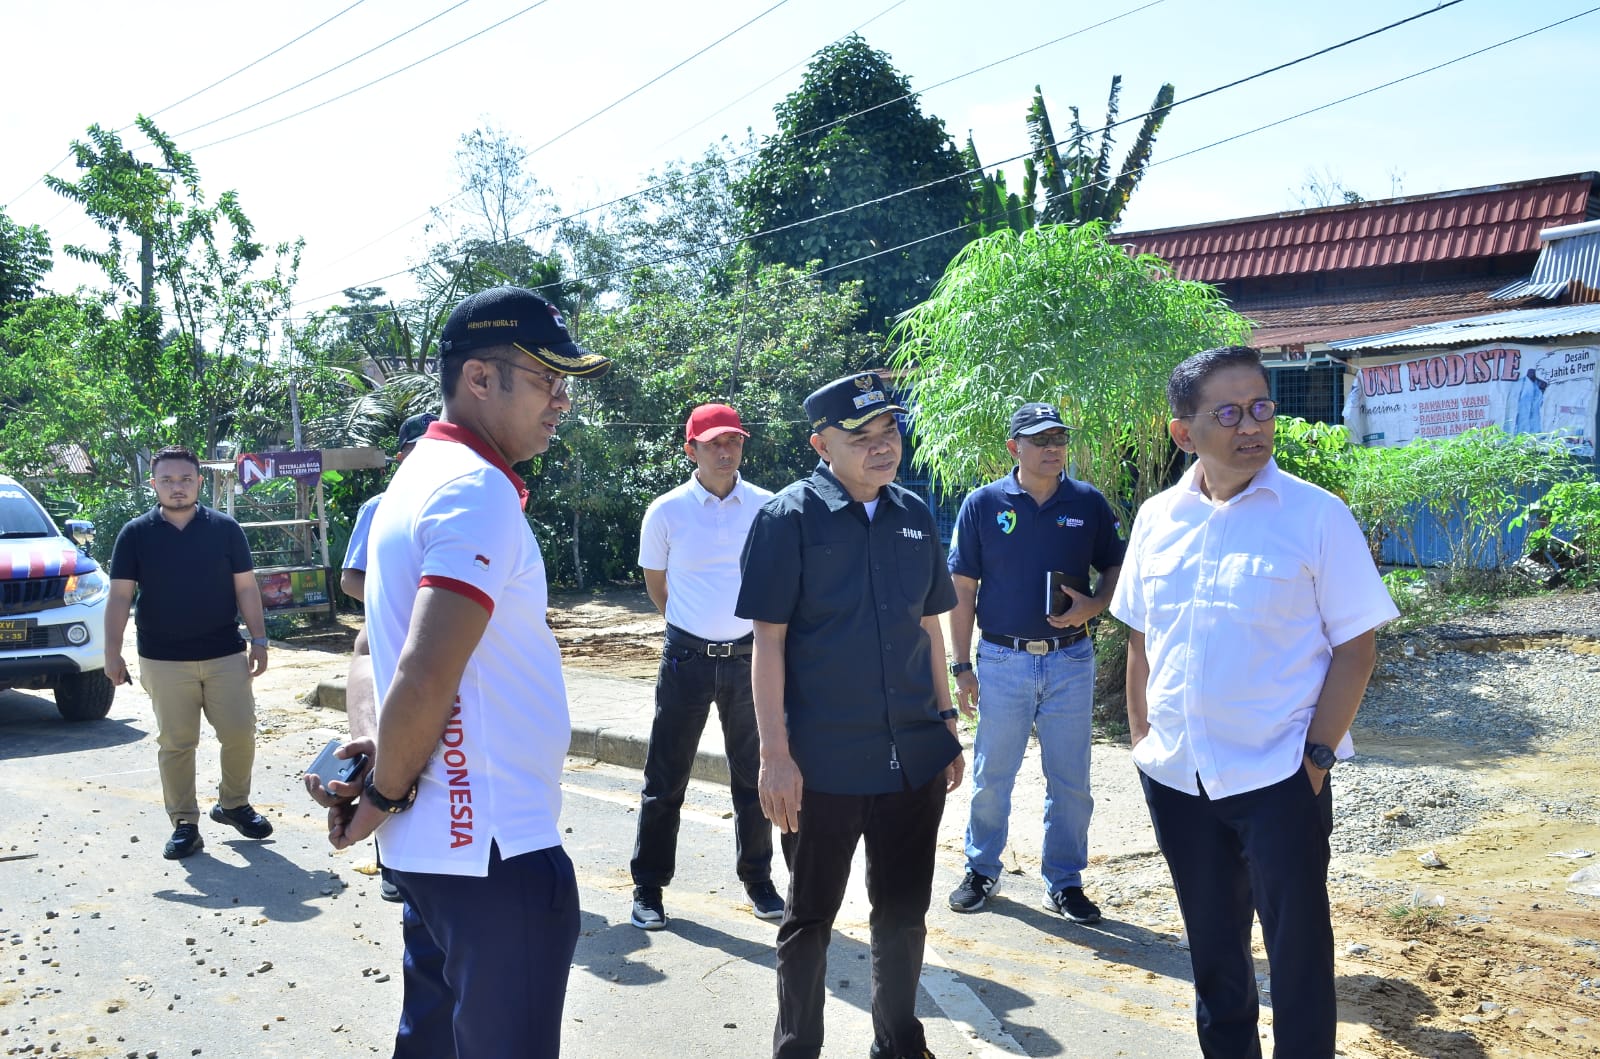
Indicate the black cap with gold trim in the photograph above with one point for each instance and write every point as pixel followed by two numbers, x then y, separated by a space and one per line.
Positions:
pixel 849 403
pixel 513 316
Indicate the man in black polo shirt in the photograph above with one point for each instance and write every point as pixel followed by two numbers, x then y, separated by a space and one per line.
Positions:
pixel 844 582
pixel 191 568
pixel 1036 661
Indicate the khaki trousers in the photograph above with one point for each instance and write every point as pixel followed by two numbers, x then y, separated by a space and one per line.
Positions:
pixel 219 688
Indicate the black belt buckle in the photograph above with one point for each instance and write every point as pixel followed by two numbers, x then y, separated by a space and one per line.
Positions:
pixel 719 650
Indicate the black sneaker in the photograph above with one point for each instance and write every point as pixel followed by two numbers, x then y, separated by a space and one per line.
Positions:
pixel 647 911
pixel 1071 903
pixel 974 892
pixel 185 840
pixel 880 1051
pixel 764 900
pixel 387 889
pixel 250 823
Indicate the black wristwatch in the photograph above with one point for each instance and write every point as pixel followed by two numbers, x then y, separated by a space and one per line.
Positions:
pixel 947 715
pixel 370 793
pixel 1322 756
pixel 958 668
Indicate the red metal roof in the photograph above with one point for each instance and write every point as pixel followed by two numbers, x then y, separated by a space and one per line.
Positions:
pixel 1452 226
pixel 1291 319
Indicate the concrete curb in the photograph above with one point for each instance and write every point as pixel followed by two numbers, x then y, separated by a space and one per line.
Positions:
pixel 612 745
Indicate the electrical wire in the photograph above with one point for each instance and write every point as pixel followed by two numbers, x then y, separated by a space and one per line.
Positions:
pixel 199 92
pixel 968 173
pixel 376 80
pixel 698 169
pixel 333 69
pixel 249 65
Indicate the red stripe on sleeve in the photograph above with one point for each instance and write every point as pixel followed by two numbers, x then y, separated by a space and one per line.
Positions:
pixel 460 588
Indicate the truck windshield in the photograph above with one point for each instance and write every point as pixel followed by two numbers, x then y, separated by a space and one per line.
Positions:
pixel 20 516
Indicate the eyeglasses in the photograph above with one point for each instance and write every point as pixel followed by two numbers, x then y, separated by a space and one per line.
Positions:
pixel 557 385
pixel 1231 415
pixel 1047 439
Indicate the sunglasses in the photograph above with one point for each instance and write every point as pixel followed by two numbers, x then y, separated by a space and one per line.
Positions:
pixel 557 385
pixel 1046 439
pixel 1231 415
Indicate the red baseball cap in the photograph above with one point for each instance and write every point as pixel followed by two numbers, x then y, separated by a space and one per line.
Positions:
pixel 713 420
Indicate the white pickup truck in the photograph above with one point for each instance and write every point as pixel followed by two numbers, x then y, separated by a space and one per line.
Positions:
pixel 52 607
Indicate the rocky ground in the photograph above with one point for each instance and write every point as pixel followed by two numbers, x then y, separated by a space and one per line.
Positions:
pixel 1471 801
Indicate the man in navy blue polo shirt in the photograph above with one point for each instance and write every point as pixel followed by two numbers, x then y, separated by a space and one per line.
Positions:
pixel 1021 558
pixel 844 582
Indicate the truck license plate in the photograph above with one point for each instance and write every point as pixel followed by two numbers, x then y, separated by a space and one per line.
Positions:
pixel 16 630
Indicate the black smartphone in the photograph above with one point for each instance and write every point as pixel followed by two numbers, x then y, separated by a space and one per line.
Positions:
pixel 327 767
pixel 1057 602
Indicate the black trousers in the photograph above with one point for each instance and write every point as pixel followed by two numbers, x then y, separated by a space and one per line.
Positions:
pixel 686 686
pixel 1262 852
pixel 901 831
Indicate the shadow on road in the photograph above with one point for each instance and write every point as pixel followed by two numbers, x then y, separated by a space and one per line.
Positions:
pixel 267 880
pixel 30 726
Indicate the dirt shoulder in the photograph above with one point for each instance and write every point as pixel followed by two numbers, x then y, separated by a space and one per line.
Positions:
pixel 1486 956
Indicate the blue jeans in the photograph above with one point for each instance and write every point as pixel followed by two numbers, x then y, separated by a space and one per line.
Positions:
pixel 1018 692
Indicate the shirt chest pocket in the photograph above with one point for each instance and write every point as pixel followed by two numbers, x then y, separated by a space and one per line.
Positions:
pixel 1262 591
pixel 1161 583
pixel 914 568
pixel 832 578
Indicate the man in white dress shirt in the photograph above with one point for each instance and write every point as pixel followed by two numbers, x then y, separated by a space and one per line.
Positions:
pixel 689 547
pixel 1252 603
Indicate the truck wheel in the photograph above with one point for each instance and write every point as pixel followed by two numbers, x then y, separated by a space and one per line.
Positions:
pixel 85 696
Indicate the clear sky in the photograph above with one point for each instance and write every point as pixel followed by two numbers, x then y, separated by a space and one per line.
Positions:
pixel 356 177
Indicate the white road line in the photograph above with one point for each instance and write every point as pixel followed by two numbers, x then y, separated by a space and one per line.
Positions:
pixel 962 1007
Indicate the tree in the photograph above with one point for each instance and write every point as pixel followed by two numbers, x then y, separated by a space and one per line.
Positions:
pixel 822 160
pixel 24 260
pixel 1055 314
pixel 225 292
pixel 761 349
pixel 1078 182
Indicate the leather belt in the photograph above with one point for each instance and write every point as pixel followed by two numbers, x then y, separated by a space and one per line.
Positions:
pixel 740 648
pixel 1036 647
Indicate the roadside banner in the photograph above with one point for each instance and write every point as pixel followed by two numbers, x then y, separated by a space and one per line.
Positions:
pixel 1523 389
pixel 256 467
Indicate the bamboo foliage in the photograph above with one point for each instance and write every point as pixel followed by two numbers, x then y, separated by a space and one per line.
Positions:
pixel 1055 314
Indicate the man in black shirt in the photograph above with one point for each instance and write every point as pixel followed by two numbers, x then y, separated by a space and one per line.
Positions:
pixel 844 580
pixel 191 567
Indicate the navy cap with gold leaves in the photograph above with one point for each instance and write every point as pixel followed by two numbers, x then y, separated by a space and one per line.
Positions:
pixel 514 316
pixel 849 403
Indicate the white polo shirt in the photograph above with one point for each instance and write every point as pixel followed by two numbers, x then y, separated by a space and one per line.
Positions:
pixel 1241 604
pixel 697 539
pixel 452 519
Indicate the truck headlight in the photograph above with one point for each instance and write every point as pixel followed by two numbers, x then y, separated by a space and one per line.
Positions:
pixel 86 588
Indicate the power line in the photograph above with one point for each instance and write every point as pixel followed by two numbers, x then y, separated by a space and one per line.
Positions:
pixel 658 77
pixel 199 92
pixel 968 173
pixel 684 132
pixel 377 80
pixel 697 169
pixel 433 209
pixel 249 65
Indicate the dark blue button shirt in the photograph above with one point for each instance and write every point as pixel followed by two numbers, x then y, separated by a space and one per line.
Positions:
pixel 1008 543
pixel 858 684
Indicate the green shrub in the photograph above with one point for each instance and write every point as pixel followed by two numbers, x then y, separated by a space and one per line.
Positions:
pixel 1566 530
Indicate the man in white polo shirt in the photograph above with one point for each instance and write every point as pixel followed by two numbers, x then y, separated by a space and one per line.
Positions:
pixel 689 547
pixel 1252 604
pixel 472 725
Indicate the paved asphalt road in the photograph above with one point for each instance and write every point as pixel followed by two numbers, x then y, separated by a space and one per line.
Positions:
pixel 282 947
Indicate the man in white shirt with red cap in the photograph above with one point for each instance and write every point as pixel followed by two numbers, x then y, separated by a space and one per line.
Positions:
pixel 1252 603
pixel 689 547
